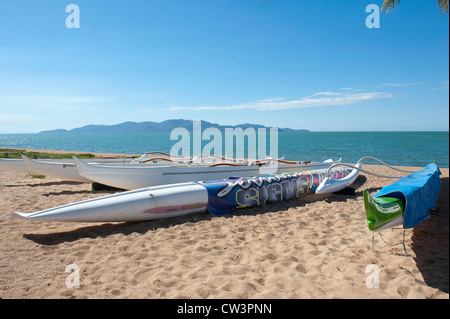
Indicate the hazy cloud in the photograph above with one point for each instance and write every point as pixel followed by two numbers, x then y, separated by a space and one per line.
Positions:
pixel 402 84
pixel 320 99
pixel 50 101
pixel 11 117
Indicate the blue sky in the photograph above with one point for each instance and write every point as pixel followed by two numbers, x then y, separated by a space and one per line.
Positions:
pixel 309 64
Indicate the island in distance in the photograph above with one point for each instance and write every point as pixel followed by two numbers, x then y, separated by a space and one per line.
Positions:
pixel 165 126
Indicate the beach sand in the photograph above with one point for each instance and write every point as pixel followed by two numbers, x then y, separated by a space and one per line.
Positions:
pixel 316 247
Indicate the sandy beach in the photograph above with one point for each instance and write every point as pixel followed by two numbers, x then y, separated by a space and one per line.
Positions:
pixel 316 247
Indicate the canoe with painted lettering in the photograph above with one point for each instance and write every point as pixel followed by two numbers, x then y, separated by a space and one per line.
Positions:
pixel 165 201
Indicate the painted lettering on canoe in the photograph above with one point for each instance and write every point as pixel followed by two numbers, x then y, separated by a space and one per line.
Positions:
pixel 225 196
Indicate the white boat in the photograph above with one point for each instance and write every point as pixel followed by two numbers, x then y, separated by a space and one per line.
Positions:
pixel 64 169
pixel 173 200
pixel 148 158
pixel 12 164
pixel 18 165
pixel 67 170
pixel 134 177
pixel 137 205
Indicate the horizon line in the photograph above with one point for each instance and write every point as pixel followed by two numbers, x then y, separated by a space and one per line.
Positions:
pixel 298 131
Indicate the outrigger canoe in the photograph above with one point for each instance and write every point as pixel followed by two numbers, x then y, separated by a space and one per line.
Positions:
pixel 18 165
pixel 13 164
pixel 57 166
pixel 66 169
pixel 217 196
pixel 61 167
pixel 134 177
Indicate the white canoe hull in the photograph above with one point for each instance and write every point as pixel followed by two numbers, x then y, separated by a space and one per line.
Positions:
pixel 11 164
pixel 134 177
pixel 64 169
pixel 67 170
pixel 18 165
pixel 138 205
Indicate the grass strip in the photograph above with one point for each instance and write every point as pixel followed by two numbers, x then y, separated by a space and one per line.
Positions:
pixel 15 153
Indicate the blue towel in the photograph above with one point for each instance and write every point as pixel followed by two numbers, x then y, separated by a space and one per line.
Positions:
pixel 419 191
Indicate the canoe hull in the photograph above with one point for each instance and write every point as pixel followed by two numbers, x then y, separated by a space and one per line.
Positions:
pixel 165 201
pixel 227 196
pixel 138 177
pixel 64 169
pixel 138 205
pixel 16 165
pixel 382 212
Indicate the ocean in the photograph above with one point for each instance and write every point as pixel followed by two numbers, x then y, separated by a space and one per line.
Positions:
pixel 394 148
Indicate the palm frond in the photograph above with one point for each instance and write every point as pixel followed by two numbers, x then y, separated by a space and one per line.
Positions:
pixel 443 4
pixel 390 5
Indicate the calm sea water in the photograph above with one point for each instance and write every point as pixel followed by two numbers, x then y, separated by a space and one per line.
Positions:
pixel 396 148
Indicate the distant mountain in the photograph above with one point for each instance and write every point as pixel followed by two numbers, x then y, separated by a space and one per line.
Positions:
pixel 61 130
pixel 165 126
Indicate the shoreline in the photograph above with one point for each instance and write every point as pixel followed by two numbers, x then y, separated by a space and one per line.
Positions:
pixel 106 155
pixel 96 154
pixel 317 247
